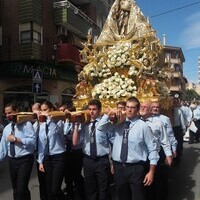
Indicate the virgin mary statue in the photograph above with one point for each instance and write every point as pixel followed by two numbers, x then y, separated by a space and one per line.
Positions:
pixel 120 24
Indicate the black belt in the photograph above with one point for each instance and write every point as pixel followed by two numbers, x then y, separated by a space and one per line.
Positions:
pixel 129 164
pixel 95 158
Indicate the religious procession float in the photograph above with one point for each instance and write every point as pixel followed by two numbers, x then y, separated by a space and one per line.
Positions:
pixel 126 60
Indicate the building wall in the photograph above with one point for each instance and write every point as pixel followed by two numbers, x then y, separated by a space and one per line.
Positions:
pixel 10 30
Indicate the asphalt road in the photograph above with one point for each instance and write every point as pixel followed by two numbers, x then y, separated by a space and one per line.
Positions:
pixel 184 183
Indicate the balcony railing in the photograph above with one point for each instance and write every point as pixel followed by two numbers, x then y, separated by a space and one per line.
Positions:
pixel 177 75
pixel 176 88
pixel 74 19
pixel 80 2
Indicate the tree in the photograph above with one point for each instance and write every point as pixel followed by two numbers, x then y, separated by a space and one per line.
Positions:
pixel 191 94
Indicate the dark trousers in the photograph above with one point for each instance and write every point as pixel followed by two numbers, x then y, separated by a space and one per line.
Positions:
pixel 20 172
pixel 42 183
pixel 129 181
pixel 159 189
pixel 178 134
pixel 96 173
pixel 54 172
pixel 73 173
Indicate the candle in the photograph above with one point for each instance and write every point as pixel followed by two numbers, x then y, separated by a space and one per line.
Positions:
pixel 95 38
pixel 90 31
pixel 148 20
pixel 151 47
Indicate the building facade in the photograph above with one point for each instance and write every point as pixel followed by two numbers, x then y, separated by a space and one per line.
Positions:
pixel 175 58
pixel 44 36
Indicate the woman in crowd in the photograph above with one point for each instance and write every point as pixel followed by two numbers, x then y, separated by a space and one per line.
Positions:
pixel 51 152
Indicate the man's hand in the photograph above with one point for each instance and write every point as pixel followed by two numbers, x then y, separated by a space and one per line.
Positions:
pixel 168 160
pixel 174 154
pixel 41 167
pixel 11 138
pixel 148 180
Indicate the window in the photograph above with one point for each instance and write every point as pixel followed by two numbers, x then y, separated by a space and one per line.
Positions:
pixel 174 55
pixel 36 37
pixel 30 32
pixel 25 36
pixel 177 68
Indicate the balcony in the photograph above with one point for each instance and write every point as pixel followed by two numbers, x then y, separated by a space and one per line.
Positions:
pixel 175 88
pixel 67 53
pixel 30 50
pixel 68 15
pixel 175 60
pixel 177 75
pixel 30 11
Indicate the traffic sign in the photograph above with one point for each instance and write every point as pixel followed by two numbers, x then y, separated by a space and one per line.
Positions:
pixel 37 75
pixel 37 87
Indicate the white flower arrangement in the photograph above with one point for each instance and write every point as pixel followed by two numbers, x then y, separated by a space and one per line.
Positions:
pixel 118 55
pixel 115 87
pixel 133 70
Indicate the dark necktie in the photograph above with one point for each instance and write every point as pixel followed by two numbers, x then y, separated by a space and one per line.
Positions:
pixel 47 144
pixel 124 148
pixel 93 145
pixel 12 144
pixel 68 142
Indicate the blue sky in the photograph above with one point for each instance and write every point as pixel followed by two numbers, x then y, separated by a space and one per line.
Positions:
pixel 182 29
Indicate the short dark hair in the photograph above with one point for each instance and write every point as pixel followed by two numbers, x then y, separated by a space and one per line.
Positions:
pixel 134 99
pixel 49 105
pixel 95 102
pixel 13 106
pixel 123 103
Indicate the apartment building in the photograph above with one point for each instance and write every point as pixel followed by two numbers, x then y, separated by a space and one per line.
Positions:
pixel 174 56
pixel 39 47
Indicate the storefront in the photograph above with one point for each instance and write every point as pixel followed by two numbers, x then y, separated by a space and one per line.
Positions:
pixel 16 83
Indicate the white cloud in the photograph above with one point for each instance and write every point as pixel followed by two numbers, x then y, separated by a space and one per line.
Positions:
pixel 190 37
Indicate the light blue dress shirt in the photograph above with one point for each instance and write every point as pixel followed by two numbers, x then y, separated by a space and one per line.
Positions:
pixel 196 113
pixel 55 136
pixel 26 133
pixel 103 139
pixel 168 127
pixel 160 134
pixel 186 114
pixel 68 132
pixel 141 142
pixel 179 118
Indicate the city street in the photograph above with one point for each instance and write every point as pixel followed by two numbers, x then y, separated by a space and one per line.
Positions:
pixel 184 179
